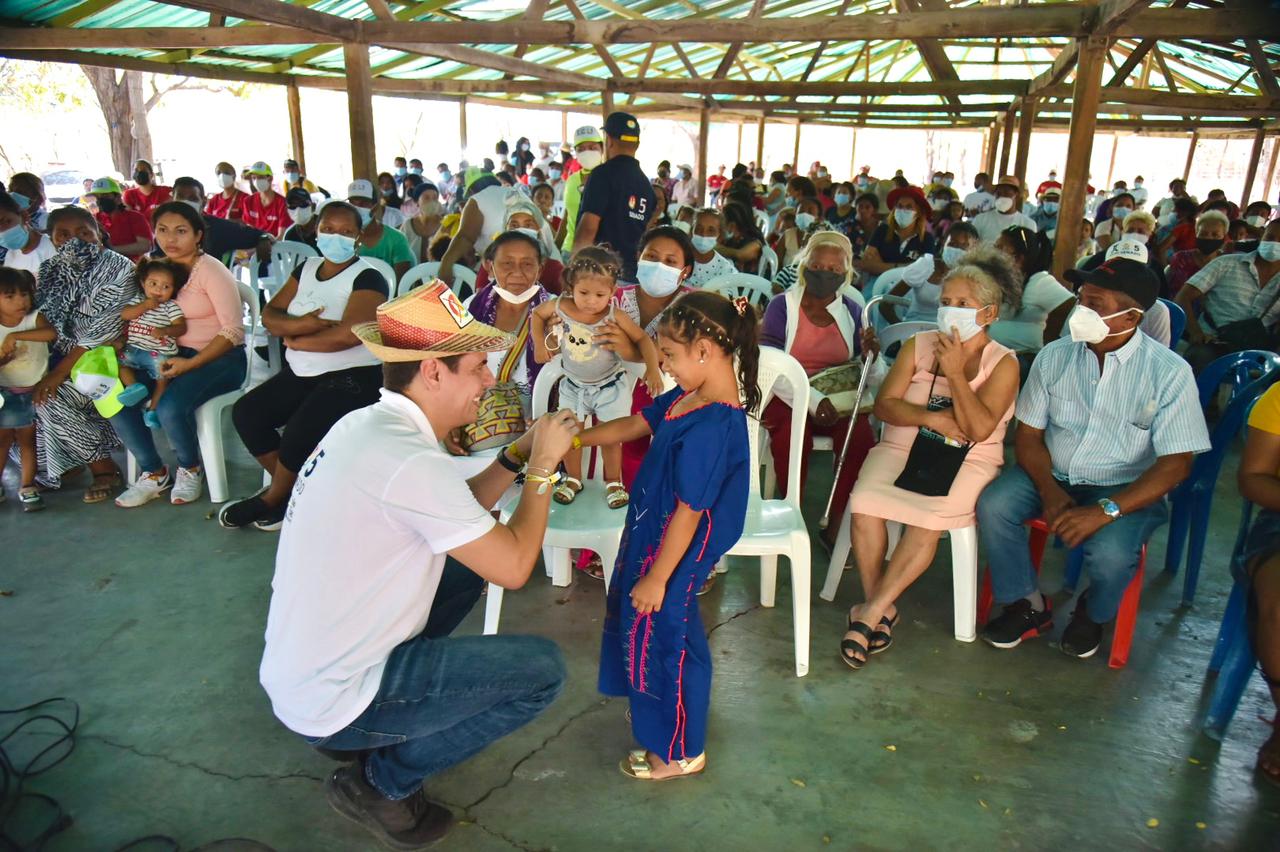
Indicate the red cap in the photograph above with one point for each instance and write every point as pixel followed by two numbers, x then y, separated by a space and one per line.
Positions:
pixel 916 194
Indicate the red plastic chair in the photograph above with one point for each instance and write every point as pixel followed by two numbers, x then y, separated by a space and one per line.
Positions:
pixel 1126 618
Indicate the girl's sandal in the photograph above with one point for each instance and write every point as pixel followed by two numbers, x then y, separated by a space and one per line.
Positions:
pixel 567 491
pixel 102 486
pixel 853 653
pixel 636 765
pixel 29 497
pixel 881 637
pixel 615 494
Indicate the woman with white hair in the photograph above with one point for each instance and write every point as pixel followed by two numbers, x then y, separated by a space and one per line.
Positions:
pixel 820 327
pixel 523 215
pixel 1211 236
pixel 945 405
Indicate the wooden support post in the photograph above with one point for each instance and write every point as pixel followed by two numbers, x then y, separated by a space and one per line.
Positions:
pixel 462 126
pixel 564 127
pixel 1191 155
pixel 606 105
pixel 993 145
pixel 760 145
pixel 1006 144
pixel 1026 119
pixel 1271 168
pixel 295 125
pixel 700 168
pixel 853 155
pixel 360 111
pixel 1075 177
pixel 1255 156
pixel 738 159
pixel 795 156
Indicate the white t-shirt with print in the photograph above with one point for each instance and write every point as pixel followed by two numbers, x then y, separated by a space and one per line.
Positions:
pixel 375 510
pixel 1024 331
pixel 717 267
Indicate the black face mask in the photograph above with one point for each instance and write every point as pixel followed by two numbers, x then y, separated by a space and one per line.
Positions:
pixel 821 283
pixel 107 205
pixel 1207 246
pixel 142 178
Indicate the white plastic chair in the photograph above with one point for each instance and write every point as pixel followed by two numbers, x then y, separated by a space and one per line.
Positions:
pixel 757 290
pixel 762 220
pixel 964 571
pixel 285 257
pixel 427 271
pixel 209 417
pixel 776 527
pixel 768 262
pixel 901 332
pixel 385 268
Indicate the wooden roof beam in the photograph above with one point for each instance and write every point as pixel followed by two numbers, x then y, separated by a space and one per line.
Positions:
pixel 1262 67
pixel 284 14
pixel 934 56
pixel 730 55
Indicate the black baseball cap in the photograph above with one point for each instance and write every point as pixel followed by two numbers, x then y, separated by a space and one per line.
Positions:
pixel 297 197
pixel 621 125
pixel 1134 279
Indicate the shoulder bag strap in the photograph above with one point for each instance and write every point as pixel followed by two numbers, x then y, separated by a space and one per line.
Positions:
pixel 516 352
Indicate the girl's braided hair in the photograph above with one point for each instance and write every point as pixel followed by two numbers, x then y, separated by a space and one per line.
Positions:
pixel 592 260
pixel 731 325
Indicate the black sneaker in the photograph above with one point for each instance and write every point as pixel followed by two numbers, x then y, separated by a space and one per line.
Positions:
pixel 241 513
pixel 412 823
pixel 273 520
pixel 1083 636
pixel 1018 621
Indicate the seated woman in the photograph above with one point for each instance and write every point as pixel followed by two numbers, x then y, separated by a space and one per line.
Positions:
pixel 326 374
pixel 808 221
pixel 211 362
pixel 903 237
pixel 820 328
pixel 947 390
pixel 421 228
pixel 524 216
pixel 1045 302
pixel 742 241
pixel 924 295
pixel 1260 562
pixel 709 264
pixel 843 215
pixel 380 238
pixel 1176 230
pixel 1211 237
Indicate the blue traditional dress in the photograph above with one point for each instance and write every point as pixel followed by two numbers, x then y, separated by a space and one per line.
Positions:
pixel 661 661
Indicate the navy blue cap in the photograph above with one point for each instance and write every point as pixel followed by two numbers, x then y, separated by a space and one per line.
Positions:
pixel 621 125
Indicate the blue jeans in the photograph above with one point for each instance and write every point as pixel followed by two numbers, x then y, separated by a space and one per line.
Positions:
pixel 1110 554
pixel 443 700
pixel 177 410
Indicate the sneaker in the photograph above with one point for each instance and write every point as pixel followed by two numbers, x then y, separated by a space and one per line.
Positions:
pixel 148 487
pixel 241 513
pixel 1018 621
pixel 273 520
pixel 188 487
pixel 410 823
pixel 151 419
pixel 30 499
pixel 1083 635
pixel 134 394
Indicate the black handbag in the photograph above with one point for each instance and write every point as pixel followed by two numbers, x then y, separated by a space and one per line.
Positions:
pixel 934 460
pixel 1248 333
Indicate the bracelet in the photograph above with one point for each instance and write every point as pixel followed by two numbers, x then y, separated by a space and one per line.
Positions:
pixel 543 482
pixel 516 454
pixel 507 462
pixel 539 470
pixel 576 443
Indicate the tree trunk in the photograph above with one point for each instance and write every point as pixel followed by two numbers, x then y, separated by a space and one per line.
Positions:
pixel 117 99
pixel 139 128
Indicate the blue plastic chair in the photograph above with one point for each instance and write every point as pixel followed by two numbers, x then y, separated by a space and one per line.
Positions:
pixel 1233 660
pixel 1192 500
pixel 1177 321
pixel 1240 368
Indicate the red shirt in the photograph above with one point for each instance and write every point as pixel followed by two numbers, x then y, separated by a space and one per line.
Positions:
pixel 716 181
pixel 123 227
pixel 134 199
pixel 1184 236
pixel 226 208
pixel 272 217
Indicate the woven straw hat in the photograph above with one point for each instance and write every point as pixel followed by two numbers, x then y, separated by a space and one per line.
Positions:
pixel 428 322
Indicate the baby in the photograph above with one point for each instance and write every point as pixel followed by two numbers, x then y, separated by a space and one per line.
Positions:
pixel 154 321
pixel 594 378
pixel 25 336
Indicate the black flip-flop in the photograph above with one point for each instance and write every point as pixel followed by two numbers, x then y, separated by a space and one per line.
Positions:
pixel 848 645
pixel 882 640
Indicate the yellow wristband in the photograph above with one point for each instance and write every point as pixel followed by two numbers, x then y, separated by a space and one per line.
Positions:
pixel 516 455
pixel 576 443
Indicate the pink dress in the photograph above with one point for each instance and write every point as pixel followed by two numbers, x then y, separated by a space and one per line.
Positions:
pixel 875 494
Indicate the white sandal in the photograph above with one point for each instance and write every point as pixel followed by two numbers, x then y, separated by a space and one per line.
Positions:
pixel 615 494
pixel 567 491
pixel 636 765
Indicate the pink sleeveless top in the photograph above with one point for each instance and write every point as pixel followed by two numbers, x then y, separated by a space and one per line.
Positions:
pixel 818 347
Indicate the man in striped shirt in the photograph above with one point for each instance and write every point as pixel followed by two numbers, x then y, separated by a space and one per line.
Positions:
pixel 1109 420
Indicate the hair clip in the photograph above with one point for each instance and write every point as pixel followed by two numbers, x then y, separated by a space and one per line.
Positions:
pixel 742 305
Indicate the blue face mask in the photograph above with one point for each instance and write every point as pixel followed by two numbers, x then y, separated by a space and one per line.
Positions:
pixel 446 177
pixel 401 171
pixel 1050 207
pixel 1269 250
pixel 336 248
pixel 14 238
pixel 365 216
pixel 22 201
pixel 555 174
pixel 842 198
pixel 415 171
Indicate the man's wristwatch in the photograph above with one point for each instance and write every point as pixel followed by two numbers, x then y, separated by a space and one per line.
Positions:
pixel 505 459
pixel 1109 508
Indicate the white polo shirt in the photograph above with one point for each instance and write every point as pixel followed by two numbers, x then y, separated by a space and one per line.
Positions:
pixel 375 509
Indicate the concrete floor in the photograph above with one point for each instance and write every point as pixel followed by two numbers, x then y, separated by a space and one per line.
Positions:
pixel 152 620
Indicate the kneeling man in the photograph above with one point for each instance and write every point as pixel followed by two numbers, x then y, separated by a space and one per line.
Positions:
pixel 357 657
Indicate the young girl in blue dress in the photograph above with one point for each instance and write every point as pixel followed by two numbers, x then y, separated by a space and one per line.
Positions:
pixel 688 506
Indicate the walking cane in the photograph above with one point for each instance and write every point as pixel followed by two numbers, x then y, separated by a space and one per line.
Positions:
pixel 869 359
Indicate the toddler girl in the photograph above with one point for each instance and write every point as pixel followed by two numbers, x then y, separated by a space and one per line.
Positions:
pixel 154 321
pixel 690 507
pixel 24 359
pixel 594 377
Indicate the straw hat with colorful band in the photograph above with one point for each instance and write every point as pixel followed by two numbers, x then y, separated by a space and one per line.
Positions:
pixel 428 322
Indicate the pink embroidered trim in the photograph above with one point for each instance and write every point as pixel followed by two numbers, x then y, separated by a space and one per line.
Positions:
pixel 669 416
pixel 706 538
pixel 681 718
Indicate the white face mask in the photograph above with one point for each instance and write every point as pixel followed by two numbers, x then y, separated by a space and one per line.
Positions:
pixel 704 244
pixel 951 256
pixel 962 320
pixel 516 298
pixel 301 215
pixel 1256 221
pixel 528 232
pixel 1004 204
pixel 1136 237
pixel 194 205
pixel 262 184
pixel 657 279
pixel 590 159
pixel 226 181
pixel 1087 326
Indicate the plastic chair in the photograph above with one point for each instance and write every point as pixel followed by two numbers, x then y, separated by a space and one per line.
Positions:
pixel 1239 368
pixel 285 257
pixel 776 527
pixel 426 271
pixel 209 417
pixel 964 571
pixel 1177 321
pixel 1191 501
pixel 762 220
pixel 768 265
pixel 1233 660
pixel 756 289
pixel 385 268
pixel 586 523
pixel 1126 617
pixel 901 332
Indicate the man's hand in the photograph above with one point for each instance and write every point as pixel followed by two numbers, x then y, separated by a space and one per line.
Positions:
pixel 647 595
pixel 453 442
pixel 1055 502
pixel 552 438
pixel 1075 526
